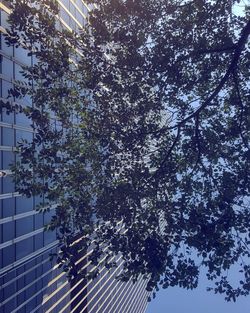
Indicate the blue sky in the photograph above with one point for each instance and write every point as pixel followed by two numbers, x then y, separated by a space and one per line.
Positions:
pixel 177 300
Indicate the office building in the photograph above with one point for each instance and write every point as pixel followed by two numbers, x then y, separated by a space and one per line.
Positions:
pixel 29 281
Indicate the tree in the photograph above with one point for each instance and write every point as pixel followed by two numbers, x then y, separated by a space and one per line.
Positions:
pixel 162 143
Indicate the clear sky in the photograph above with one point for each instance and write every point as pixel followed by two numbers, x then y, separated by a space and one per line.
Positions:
pixel 176 300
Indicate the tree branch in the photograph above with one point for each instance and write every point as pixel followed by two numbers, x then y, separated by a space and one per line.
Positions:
pixel 240 45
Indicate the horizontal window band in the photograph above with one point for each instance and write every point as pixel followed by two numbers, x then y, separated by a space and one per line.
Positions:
pixel 16 126
pixel 144 301
pixel 137 288
pixel 23 274
pixel 26 287
pixel 137 304
pixel 8 148
pixel 5 8
pixel 79 10
pixel 36 309
pixel 92 289
pixel 10 57
pixel 17 217
pixel 31 256
pixel 123 297
pixel 118 291
pixel 73 287
pixel 70 14
pixel 9 194
pixel 84 3
pixel 137 307
pixel 4 173
pixel 34 295
pixel 111 286
pixel 55 304
pixel 23 215
pixel 21 238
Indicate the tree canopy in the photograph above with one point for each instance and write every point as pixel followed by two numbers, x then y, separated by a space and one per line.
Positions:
pixel 141 135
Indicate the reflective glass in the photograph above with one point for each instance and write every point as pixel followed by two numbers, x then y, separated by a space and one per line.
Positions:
pixel 8 231
pixel 6 86
pixel 22 55
pixel 8 159
pixel 4 17
pixel 7 67
pixel 23 204
pixel 10 306
pixel 8 255
pixel 22 119
pixel 23 135
pixel 8 184
pixel 7 49
pixel 49 237
pixel 8 136
pixel 38 241
pixel 21 298
pixel 24 247
pixel 9 290
pixel 8 207
pixel 24 226
pixel 38 220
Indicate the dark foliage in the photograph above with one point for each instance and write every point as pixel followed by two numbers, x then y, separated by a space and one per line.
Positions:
pixel 150 153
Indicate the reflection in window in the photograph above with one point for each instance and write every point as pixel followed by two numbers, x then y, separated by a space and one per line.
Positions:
pixel 38 220
pixel 8 255
pixel 7 67
pixel 21 298
pixel 8 207
pixel 8 137
pixel 6 86
pixel 4 18
pixel 24 226
pixel 49 237
pixel 8 185
pixel 7 49
pixel 23 135
pixel 8 159
pixel 24 248
pixel 8 231
pixel 9 290
pixel 23 204
pixel 38 241
pixel 22 119
pixel 22 55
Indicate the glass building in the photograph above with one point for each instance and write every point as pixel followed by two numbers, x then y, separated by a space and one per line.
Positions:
pixel 29 281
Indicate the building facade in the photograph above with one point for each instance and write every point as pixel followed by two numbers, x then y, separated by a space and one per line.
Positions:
pixel 29 281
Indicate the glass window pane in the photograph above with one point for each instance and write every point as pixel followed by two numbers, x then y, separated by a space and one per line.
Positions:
pixel 7 67
pixel 8 184
pixel 24 248
pixel 4 18
pixel 8 136
pixel 8 159
pixel 8 207
pixel 38 241
pixel 8 231
pixel 23 135
pixel 22 119
pixel 24 226
pixel 8 255
pixel 7 49
pixel 22 55
pixel 23 204
pixel 6 86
